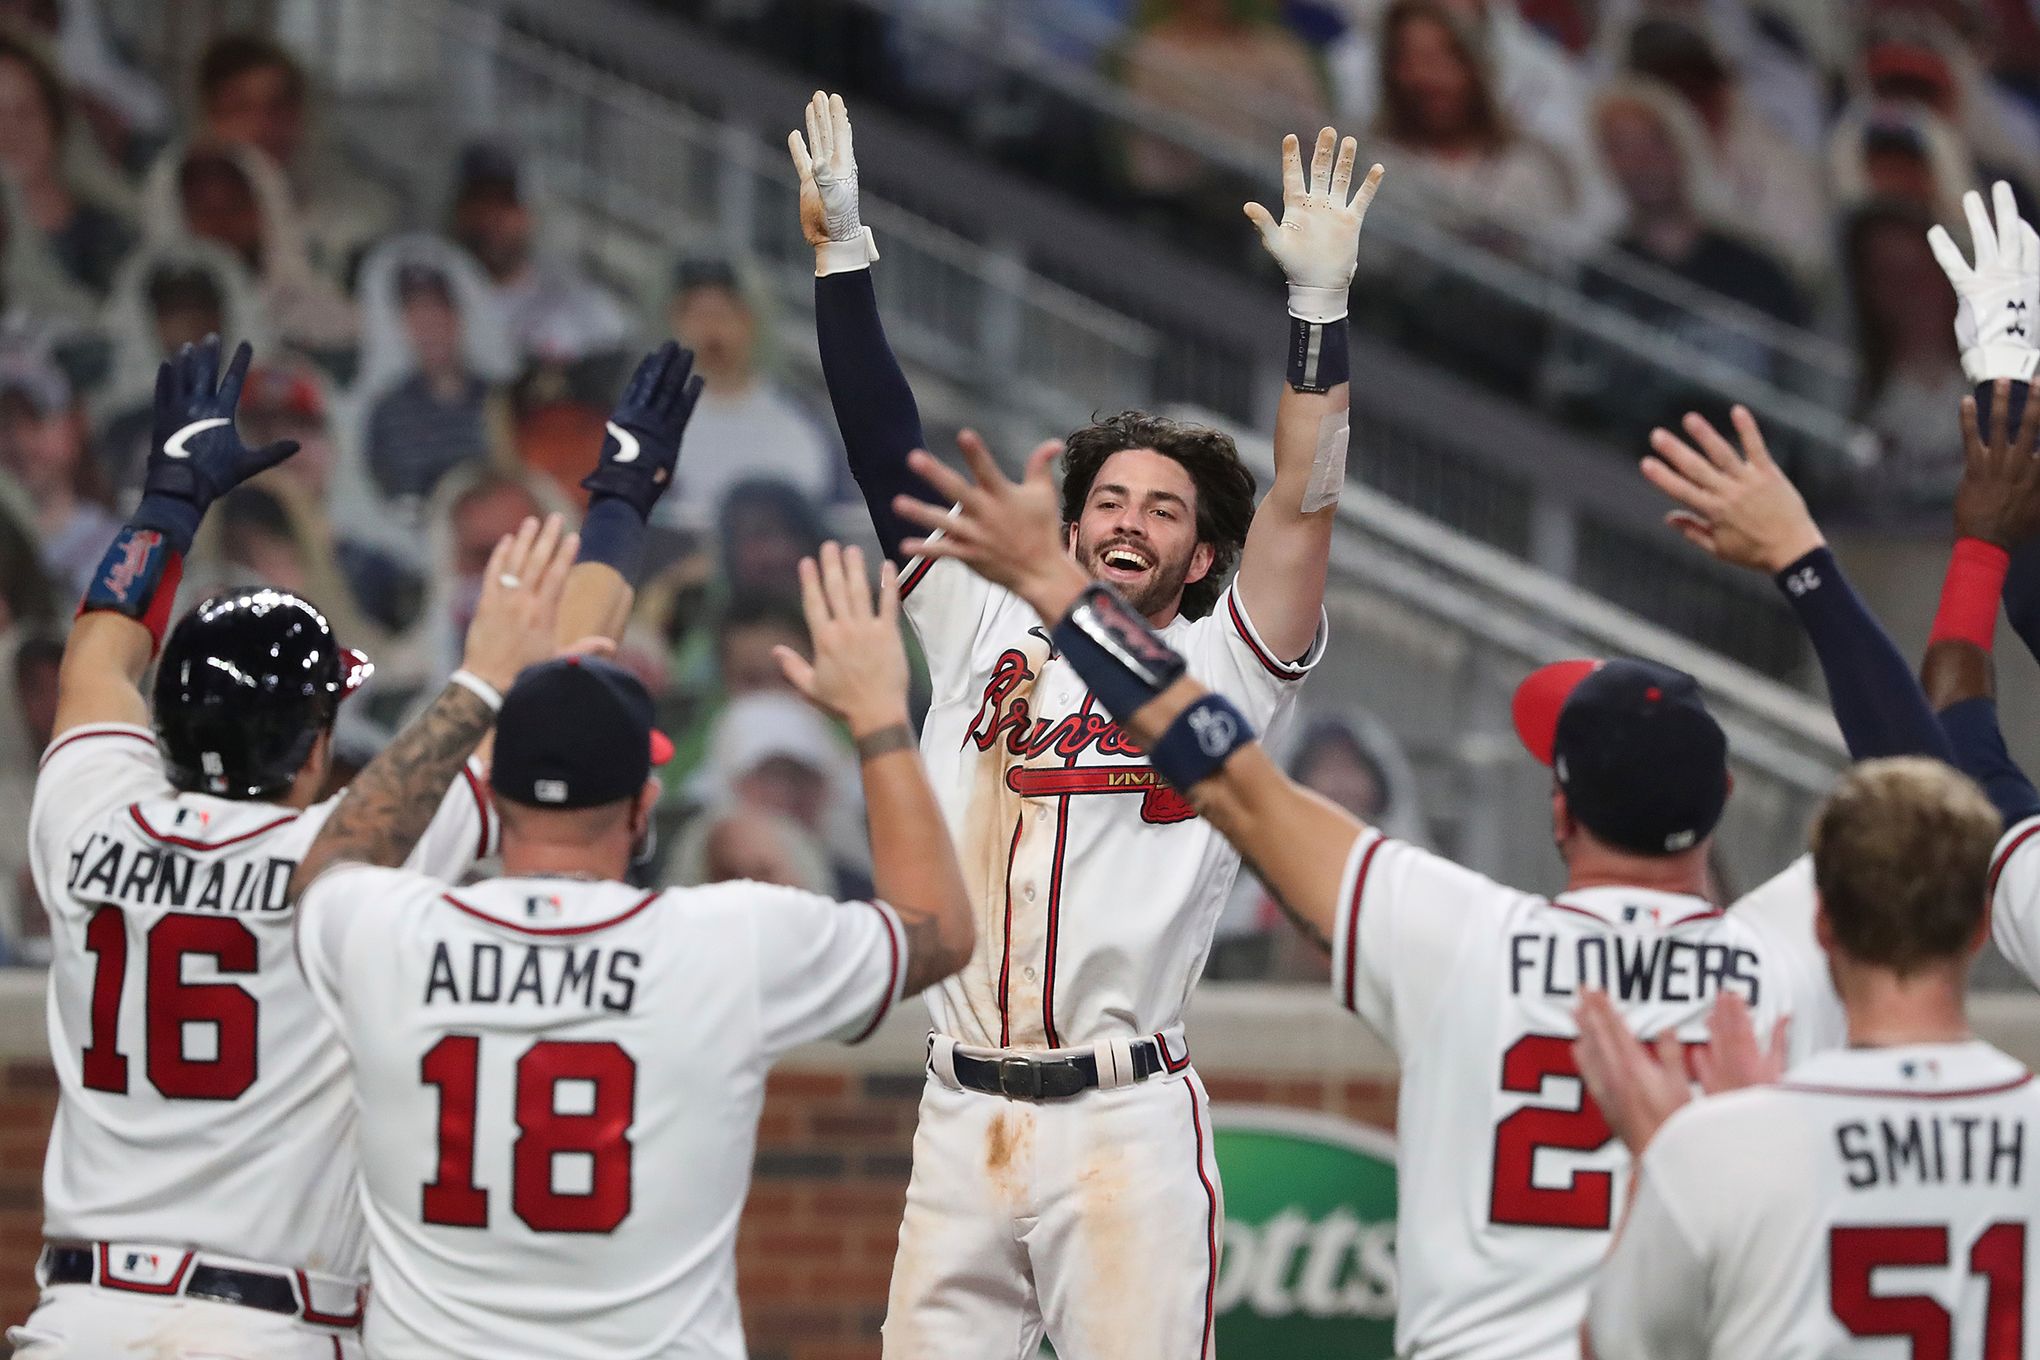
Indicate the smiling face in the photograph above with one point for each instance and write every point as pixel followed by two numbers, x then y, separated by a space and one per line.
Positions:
pixel 1138 531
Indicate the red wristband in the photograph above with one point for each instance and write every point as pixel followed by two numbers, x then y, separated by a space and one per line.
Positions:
pixel 1970 595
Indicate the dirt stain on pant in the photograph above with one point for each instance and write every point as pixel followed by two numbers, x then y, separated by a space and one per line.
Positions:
pixel 1009 1156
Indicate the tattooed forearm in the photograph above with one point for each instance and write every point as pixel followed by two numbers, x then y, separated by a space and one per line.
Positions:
pixel 389 804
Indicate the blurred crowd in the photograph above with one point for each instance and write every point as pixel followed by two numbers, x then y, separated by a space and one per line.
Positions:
pixel 445 375
pixel 1752 177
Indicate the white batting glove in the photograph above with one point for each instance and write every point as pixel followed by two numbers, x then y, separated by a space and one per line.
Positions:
pixel 1998 301
pixel 1317 243
pixel 828 189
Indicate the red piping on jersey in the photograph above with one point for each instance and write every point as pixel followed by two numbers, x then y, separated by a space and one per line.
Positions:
pixel 1006 952
pixel 2014 1084
pixel 1281 670
pixel 1172 1065
pixel 1998 865
pixel 892 976
pixel 1708 915
pixel 913 576
pixel 1210 1225
pixel 520 927
pixel 1055 873
pixel 135 811
pixel 107 1280
pixel 313 1315
pixel 84 732
pixel 1352 931
pixel 482 806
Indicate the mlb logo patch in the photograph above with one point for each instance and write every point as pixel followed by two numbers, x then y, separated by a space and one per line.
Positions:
pixel 143 1267
pixel 543 908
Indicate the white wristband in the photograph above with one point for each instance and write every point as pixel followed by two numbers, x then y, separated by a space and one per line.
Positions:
pixel 480 688
pixel 1309 302
pixel 842 257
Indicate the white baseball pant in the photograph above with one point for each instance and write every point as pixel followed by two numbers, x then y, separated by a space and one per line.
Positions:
pixel 86 1322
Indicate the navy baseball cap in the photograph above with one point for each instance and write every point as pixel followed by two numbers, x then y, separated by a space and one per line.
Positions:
pixel 575 732
pixel 1643 764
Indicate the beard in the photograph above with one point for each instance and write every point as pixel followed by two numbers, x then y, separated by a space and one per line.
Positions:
pixel 1159 588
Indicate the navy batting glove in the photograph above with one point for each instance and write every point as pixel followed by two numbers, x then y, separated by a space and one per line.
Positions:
pixel 196 456
pixel 643 446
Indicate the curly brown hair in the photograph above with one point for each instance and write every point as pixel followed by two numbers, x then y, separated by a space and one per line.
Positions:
pixel 1225 486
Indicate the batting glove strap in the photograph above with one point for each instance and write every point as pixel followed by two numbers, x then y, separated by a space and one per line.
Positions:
pixel 1198 743
pixel 1308 302
pixel 846 256
pixel 1318 360
pixel 138 577
pixel 1122 659
pixel 1988 363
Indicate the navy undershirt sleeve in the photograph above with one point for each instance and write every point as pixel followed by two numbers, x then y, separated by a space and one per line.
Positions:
pixel 1979 747
pixel 1876 700
pixel 874 406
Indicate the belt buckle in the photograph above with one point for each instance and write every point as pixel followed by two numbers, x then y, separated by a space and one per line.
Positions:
pixel 1019 1079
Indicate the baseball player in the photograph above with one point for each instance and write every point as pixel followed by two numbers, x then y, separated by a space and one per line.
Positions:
pixel 563 1072
pixel 1063 1170
pixel 1510 1175
pixel 1875 1201
pixel 200 1187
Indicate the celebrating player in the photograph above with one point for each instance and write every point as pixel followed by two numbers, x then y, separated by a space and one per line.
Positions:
pixel 200 1174
pixel 1874 1201
pixel 565 1072
pixel 1058 1064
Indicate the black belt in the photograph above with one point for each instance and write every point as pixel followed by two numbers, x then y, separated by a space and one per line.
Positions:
pixel 249 1288
pixel 1018 1078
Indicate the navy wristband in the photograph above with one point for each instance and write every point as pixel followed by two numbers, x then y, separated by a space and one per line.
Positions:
pixel 1121 658
pixel 1197 744
pixel 613 533
pixel 1317 355
pixel 173 517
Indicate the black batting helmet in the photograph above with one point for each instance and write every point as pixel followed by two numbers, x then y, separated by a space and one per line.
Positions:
pixel 247 681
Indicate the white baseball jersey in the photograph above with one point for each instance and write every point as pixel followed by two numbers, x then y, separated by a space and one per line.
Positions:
pixel 202 1095
pixel 1781 910
pixel 1875 1204
pixel 2015 897
pixel 1096 888
pixel 561 1083
pixel 1509 1176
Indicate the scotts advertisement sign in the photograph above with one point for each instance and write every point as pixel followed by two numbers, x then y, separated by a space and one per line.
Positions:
pixel 1309 1264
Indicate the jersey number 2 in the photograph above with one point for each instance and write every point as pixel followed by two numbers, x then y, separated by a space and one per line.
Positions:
pixel 170 1003
pixel 595 1136
pixel 1998 1255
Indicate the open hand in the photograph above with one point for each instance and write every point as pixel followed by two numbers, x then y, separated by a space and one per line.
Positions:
pixel 859 672
pixel 1740 508
pixel 1637 1087
pixel 196 455
pixel 1317 242
pixel 827 166
pixel 1008 532
pixel 1732 1058
pixel 642 443
pixel 1998 499
pixel 1997 312
pixel 514 622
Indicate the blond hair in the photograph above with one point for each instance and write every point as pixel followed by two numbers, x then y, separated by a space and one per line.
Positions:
pixel 1901 855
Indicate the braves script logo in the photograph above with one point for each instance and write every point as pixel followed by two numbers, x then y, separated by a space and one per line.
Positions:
pixel 1006 720
pixel 135 550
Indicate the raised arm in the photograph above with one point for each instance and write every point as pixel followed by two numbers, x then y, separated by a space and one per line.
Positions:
pixel 860 674
pixel 640 450
pixel 1740 508
pixel 195 457
pixel 1997 514
pixel 1296 841
pixel 392 801
pixel 1317 243
pixel 874 406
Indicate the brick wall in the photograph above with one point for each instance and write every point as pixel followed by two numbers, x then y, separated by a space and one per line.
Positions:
pixel 816 1249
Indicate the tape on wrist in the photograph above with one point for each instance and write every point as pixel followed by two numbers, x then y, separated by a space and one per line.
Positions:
pixel 480 688
pixel 1121 658
pixel 1317 355
pixel 841 257
pixel 1970 594
pixel 1198 743
pixel 138 577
